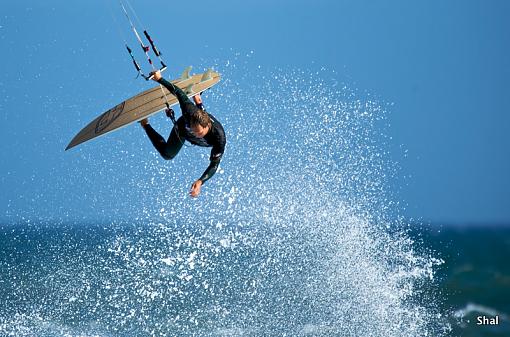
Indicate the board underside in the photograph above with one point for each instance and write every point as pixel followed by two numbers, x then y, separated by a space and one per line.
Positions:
pixel 143 105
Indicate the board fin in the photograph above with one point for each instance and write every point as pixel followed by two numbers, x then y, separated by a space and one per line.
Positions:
pixel 189 90
pixel 185 74
pixel 207 75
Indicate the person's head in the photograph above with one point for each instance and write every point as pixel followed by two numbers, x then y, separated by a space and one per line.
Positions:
pixel 200 123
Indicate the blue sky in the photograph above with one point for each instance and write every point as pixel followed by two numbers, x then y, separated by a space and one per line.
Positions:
pixel 443 64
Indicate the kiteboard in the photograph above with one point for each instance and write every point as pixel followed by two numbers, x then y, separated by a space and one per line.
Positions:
pixel 144 105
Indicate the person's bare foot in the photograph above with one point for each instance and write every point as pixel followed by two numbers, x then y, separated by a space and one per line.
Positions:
pixel 144 122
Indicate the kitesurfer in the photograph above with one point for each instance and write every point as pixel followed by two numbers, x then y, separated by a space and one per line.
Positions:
pixel 195 125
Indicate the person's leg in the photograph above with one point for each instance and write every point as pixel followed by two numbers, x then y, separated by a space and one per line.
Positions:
pixel 167 149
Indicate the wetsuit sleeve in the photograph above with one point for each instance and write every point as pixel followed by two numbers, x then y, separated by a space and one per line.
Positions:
pixel 210 170
pixel 184 101
pixel 216 154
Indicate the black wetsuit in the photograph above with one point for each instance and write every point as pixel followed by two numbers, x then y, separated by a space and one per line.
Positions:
pixel 181 131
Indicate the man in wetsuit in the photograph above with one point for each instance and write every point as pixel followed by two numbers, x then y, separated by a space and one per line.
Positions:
pixel 196 126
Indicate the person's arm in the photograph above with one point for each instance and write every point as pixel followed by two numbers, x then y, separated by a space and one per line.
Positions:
pixel 216 154
pixel 209 172
pixel 174 90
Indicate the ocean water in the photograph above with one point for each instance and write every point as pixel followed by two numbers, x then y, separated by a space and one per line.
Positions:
pixel 138 280
pixel 475 277
pixel 298 234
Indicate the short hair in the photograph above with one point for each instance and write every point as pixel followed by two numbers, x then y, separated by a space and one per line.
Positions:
pixel 200 117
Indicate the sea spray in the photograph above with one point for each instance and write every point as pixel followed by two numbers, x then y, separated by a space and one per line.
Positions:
pixel 294 236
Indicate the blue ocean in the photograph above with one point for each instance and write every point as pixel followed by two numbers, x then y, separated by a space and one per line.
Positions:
pixel 475 278
pixel 154 280
pixel 298 234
